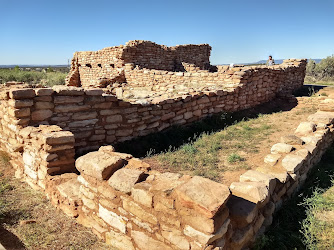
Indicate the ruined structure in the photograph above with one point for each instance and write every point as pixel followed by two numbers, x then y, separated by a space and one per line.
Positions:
pixel 120 197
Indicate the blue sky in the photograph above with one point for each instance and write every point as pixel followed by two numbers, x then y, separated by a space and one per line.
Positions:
pixel 49 32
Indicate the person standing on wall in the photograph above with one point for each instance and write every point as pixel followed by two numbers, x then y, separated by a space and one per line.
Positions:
pixel 270 61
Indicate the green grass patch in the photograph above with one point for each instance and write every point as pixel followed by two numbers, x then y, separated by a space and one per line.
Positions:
pixel 318 227
pixel 291 222
pixel 203 154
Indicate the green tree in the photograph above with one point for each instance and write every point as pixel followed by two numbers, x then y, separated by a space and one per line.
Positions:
pixel 310 67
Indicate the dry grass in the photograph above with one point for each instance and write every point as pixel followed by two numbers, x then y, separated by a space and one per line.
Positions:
pixel 225 154
pixel 52 230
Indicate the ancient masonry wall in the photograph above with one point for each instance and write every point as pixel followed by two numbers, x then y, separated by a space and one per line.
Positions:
pixel 89 67
pixel 97 118
pixel 132 207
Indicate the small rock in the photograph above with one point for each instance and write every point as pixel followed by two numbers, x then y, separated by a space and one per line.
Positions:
pixel 281 148
pixel 291 139
pixel 25 222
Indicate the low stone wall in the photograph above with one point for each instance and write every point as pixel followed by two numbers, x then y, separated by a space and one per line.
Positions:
pixel 97 117
pixel 285 74
pixel 131 206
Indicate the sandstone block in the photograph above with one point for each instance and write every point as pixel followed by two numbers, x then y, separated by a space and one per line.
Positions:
pixel 84 115
pixel 68 99
pixel 23 103
pixel 41 115
pixel 62 108
pixel 138 164
pixel 68 90
pixel 43 91
pixel 19 113
pixel 70 190
pixel 138 211
pixel 94 92
pixel 175 237
pixel 99 165
pixel 322 117
pixel 292 163
pixel 144 241
pixel 119 241
pixel 114 220
pixel 256 176
pixel 124 179
pixel 272 159
pixel 21 93
pixel 140 193
pixel 60 137
pixel 202 223
pixel 203 195
pixel 291 139
pixel 206 238
pixel 44 105
pixel 305 128
pixel 242 212
pixel 83 123
pixel 256 192
pixel 281 148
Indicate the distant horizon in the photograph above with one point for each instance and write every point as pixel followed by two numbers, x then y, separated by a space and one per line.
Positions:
pixel 66 65
pixel 47 32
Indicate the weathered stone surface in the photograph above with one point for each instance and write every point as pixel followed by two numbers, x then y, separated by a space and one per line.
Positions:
pixel 135 209
pixel 60 137
pixel 21 93
pixel 291 139
pixel 68 90
pixel 135 163
pixel 21 103
pixel 144 241
pixel 256 192
pixel 202 223
pixel 281 148
pixel 272 159
pixel 44 91
pixel 124 179
pixel 99 165
pixel 206 238
pixel 113 219
pixel 242 212
pixel 203 195
pixel 66 108
pixel 256 176
pixel 119 241
pixel 70 189
pixel 322 117
pixel 305 128
pixel 175 237
pixel 68 99
pixel 140 193
pixel 292 163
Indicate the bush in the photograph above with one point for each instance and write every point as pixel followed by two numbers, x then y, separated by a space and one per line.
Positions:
pixel 323 71
pixel 32 77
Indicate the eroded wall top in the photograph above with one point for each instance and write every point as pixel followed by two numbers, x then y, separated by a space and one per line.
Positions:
pixel 92 67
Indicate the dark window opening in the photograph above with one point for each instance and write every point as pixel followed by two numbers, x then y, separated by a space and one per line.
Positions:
pixel 88 65
pixel 99 65
pixel 112 65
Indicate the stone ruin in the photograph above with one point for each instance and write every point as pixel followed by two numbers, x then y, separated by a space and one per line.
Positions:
pixel 124 92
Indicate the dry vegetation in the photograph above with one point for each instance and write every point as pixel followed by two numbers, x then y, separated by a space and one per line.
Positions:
pixel 224 155
pixel 51 230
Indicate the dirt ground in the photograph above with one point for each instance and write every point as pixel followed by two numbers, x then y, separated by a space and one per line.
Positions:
pixel 282 123
pixel 51 228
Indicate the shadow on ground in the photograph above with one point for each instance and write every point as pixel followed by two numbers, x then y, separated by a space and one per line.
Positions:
pixel 176 136
pixel 9 240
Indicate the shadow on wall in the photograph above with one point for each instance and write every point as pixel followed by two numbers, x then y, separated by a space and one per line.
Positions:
pixel 178 135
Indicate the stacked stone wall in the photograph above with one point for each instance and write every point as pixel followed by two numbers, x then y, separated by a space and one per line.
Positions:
pixel 97 118
pixel 131 206
pixel 103 67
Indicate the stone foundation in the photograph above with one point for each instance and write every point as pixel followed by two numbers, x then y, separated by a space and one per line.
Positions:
pixel 131 206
